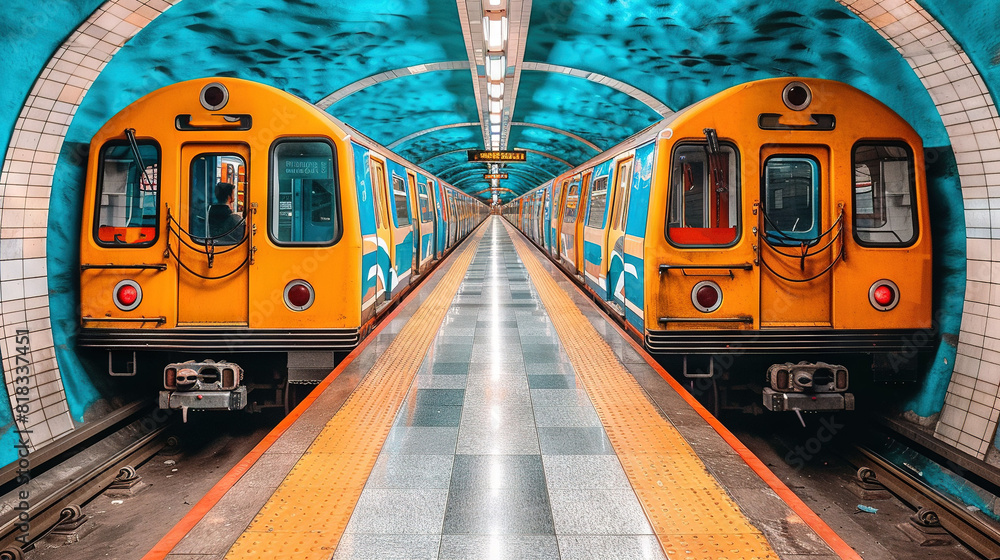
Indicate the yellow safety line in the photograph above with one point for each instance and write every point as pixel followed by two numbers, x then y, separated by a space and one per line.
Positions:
pixel 691 514
pixel 308 513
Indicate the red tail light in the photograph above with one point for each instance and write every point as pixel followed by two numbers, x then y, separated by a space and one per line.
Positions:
pixel 883 295
pixel 299 295
pixel 706 296
pixel 127 295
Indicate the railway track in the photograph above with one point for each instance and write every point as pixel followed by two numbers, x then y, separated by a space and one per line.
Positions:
pixel 932 507
pixel 75 469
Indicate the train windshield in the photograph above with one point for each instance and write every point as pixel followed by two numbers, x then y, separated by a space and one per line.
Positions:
pixel 884 186
pixel 128 192
pixel 303 196
pixel 704 196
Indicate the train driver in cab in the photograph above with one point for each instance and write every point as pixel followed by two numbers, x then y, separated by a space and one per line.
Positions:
pixel 225 225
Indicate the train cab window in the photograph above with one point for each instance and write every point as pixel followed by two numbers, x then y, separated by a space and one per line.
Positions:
pixel 791 193
pixel 304 201
pixel 884 186
pixel 704 196
pixel 399 195
pixel 128 195
pixel 215 206
pixel 598 202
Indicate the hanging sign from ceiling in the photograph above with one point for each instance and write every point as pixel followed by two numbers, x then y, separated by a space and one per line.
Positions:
pixel 498 156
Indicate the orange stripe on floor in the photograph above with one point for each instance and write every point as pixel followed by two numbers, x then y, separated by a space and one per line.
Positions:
pixel 690 513
pixel 308 513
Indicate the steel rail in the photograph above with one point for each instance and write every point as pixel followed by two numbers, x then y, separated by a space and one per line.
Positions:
pixel 53 507
pixel 954 518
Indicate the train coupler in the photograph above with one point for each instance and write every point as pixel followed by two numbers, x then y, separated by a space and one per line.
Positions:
pixel 205 385
pixel 807 386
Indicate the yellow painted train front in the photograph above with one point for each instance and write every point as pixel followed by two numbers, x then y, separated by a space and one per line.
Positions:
pixel 783 223
pixel 228 223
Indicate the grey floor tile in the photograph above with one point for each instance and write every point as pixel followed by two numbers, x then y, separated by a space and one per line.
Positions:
pixel 429 415
pixel 498 368
pixel 566 417
pixel 406 511
pixel 498 495
pixel 560 397
pixel 357 546
pixel 598 512
pixel 406 440
pixel 453 352
pixel 441 367
pixel 562 368
pixel 574 441
pixel 507 390
pixel 610 547
pixel 554 382
pixel 431 381
pixel 507 433
pixel 581 472
pixel 498 547
pixel 440 397
pixel 411 471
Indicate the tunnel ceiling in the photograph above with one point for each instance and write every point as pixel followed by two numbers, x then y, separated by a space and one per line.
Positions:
pixel 579 76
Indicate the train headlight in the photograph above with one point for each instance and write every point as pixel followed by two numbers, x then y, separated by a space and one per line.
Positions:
pixel 706 296
pixel 883 295
pixel 127 295
pixel 299 295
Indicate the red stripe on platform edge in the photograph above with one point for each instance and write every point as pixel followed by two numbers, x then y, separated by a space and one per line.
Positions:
pixel 162 548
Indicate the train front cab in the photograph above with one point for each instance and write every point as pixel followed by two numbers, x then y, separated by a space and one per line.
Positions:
pixel 802 237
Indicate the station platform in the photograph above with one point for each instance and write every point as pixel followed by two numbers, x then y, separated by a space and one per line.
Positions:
pixel 497 413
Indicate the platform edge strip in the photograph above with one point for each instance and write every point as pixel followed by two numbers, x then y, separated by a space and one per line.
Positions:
pixel 618 398
pixel 168 542
pixel 386 384
pixel 829 536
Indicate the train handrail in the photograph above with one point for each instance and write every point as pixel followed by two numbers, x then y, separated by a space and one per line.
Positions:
pixel 838 224
pixel 158 267
pixel 210 252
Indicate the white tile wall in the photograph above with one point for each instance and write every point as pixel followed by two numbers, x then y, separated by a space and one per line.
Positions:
pixel 25 184
pixel 969 417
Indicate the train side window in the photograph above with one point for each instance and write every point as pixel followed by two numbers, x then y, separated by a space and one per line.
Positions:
pixel 217 213
pixel 791 193
pixel 128 194
pixel 884 195
pixel 399 194
pixel 425 203
pixel 703 208
pixel 598 202
pixel 572 197
pixel 304 198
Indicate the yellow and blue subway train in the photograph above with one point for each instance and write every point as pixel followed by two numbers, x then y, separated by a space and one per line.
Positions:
pixel 236 239
pixel 783 222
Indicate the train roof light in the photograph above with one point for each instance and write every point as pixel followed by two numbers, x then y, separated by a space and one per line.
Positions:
pixel 214 96
pixel 797 96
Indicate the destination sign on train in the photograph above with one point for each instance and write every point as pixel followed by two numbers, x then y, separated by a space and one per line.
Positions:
pixel 495 176
pixel 506 155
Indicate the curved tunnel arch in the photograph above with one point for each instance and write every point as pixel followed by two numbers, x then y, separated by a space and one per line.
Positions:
pixel 31 157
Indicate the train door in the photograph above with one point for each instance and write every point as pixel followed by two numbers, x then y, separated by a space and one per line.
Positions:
pixel 557 213
pixel 595 233
pixel 581 220
pixel 795 280
pixel 209 235
pixel 403 227
pixel 616 235
pixel 426 218
pixel 567 235
pixel 386 247
pixel 411 191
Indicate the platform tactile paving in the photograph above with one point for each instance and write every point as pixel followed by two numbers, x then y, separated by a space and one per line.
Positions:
pixel 691 514
pixel 307 515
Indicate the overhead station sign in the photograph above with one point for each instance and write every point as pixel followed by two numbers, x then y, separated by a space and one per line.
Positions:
pixel 495 176
pixel 498 156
